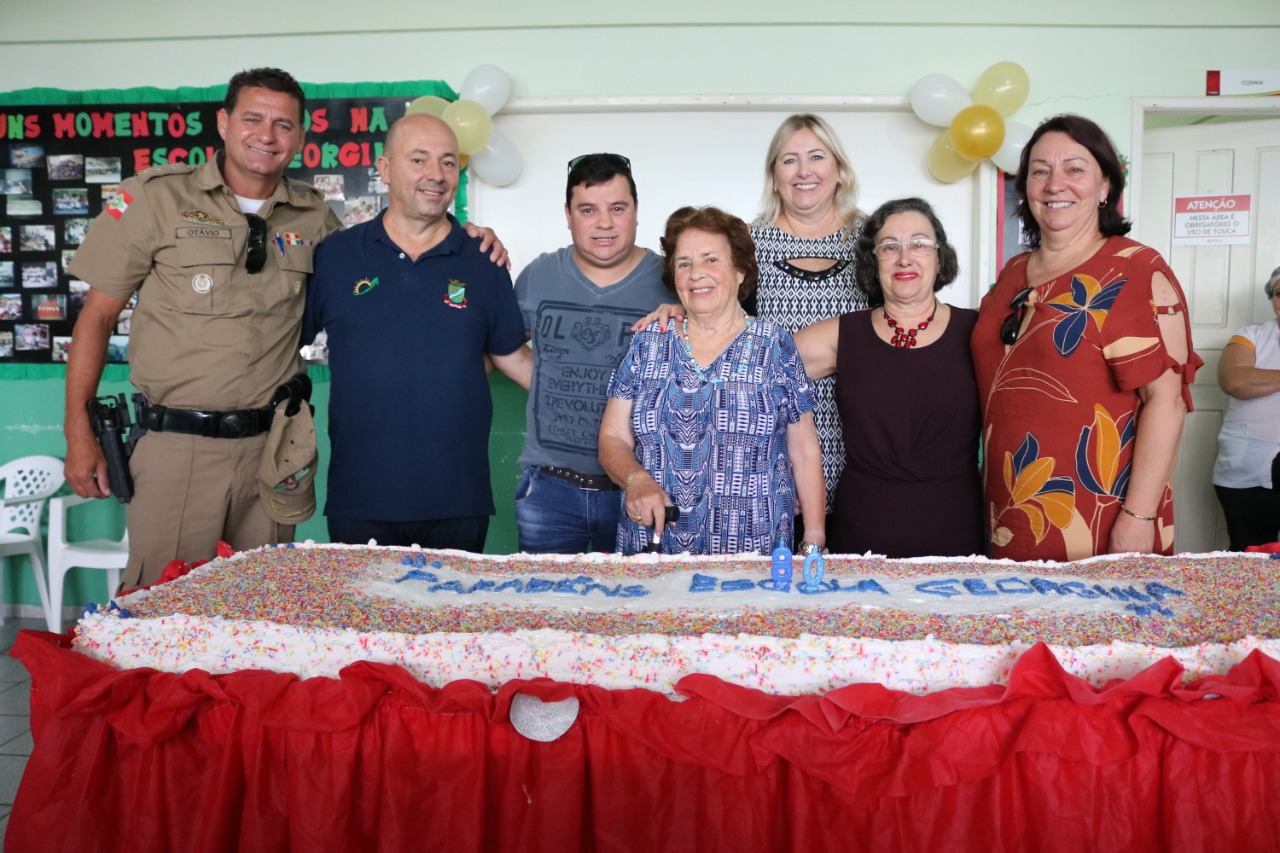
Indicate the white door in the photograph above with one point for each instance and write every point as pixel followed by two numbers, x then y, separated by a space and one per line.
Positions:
pixel 1223 284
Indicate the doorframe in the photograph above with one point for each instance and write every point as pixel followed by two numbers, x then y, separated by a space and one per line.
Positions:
pixel 1260 106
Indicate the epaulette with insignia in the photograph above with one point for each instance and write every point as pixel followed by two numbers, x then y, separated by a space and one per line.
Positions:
pixel 168 169
pixel 301 186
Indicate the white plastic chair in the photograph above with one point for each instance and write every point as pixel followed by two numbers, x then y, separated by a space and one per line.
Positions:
pixel 28 484
pixel 108 554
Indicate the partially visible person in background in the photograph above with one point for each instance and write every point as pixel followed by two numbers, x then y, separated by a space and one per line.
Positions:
pixel 906 393
pixel 715 417
pixel 1084 363
pixel 1247 473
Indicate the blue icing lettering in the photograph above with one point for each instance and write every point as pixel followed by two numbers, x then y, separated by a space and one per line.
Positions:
pixel 977 586
pixel 702 583
pixel 868 585
pixel 773 584
pixel 539 585
pixel 574 586
pixel 1148 609
pixel 946 588
pixel 417 575
pixel 596 587
pixel 1160 592
pixel 515 585
pixel 737 586
pixel 481 585
pixel 815 587
pixel 451 586
pixel 1079 589
pixel 1045 587
pixel 1014 586
pixel 633 591
pixel 1123 593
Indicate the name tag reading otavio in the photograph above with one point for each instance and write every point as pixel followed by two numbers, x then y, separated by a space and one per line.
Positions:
pixel 199 233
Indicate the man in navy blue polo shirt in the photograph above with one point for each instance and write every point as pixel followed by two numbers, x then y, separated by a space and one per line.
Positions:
pixel 411 307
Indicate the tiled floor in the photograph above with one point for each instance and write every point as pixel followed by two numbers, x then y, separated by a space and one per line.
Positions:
pixel 15 705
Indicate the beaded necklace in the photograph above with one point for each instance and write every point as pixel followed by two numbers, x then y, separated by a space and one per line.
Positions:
pixel 907 337
pixel 743 362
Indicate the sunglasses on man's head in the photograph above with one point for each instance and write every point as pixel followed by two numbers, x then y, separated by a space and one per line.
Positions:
pixel 615 160
pixel 255 256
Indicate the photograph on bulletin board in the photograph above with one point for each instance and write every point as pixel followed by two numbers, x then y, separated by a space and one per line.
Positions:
pixel 61 165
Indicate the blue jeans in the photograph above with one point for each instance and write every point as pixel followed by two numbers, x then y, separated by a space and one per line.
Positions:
pixel 554 516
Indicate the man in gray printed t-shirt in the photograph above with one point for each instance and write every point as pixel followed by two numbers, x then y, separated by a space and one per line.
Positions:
pixel 578 304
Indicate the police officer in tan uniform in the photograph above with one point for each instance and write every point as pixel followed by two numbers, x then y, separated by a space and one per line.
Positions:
pixel 219 256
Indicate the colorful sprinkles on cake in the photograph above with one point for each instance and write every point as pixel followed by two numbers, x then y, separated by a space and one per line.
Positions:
pixel 302 610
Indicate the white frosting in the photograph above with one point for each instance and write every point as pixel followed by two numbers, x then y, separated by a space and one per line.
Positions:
pixel 807 664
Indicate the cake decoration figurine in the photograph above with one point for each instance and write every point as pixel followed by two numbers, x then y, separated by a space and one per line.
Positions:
pixel 782 567
pixel 814 568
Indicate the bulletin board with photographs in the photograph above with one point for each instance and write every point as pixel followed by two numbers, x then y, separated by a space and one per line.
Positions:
pixel 64 154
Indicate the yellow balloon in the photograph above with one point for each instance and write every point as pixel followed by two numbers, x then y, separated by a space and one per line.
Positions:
pixel 470 123
pixel 944 163
pixel 1003 87
pixel 429 104
pixel 977 132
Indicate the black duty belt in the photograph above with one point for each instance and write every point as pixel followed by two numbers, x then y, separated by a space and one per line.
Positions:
pixel 241 423
pixel 590 482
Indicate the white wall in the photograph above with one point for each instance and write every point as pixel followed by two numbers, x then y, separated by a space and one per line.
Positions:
pixel 1089 56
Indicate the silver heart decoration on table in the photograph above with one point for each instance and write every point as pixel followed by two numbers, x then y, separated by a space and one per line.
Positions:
pixel 542 721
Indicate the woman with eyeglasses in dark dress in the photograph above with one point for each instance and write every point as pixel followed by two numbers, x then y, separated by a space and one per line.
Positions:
pixel 1084 365
pixel 905 391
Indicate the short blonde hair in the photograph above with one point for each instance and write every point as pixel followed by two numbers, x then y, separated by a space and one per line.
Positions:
pixel 846 199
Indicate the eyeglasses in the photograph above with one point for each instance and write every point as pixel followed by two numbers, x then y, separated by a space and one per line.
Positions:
pixel 1012 325
pixel 255 255
pixel 892 248
pixel 615 160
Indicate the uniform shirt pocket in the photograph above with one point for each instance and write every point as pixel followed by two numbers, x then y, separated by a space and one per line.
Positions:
pixel 209 264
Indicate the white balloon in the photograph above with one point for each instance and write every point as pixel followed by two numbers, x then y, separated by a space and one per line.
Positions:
pixel 487 85
pixel 936 98
pixel 1009 154
pixel 499 162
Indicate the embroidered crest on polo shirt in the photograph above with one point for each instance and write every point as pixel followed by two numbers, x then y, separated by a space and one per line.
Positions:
pixel 456 294
pixel 201 217
pixel 202 283
pixel 118 204
pixel 364 285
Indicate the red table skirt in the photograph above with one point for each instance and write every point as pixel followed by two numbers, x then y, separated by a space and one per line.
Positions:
pixel 139 760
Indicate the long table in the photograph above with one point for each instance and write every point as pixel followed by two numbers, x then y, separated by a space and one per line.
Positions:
pixel 139 760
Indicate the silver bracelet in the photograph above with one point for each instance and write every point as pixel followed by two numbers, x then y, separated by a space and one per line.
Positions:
pixel 1135 515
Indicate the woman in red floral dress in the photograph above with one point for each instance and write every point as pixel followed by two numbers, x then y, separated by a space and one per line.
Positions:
pixel 1083 357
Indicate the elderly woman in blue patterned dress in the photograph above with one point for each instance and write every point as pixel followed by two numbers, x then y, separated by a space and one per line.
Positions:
pixel 715 419
pixel 804 241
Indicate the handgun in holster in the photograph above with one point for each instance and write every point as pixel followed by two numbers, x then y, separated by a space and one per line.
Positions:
pixel 297 391
pixel 109 418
